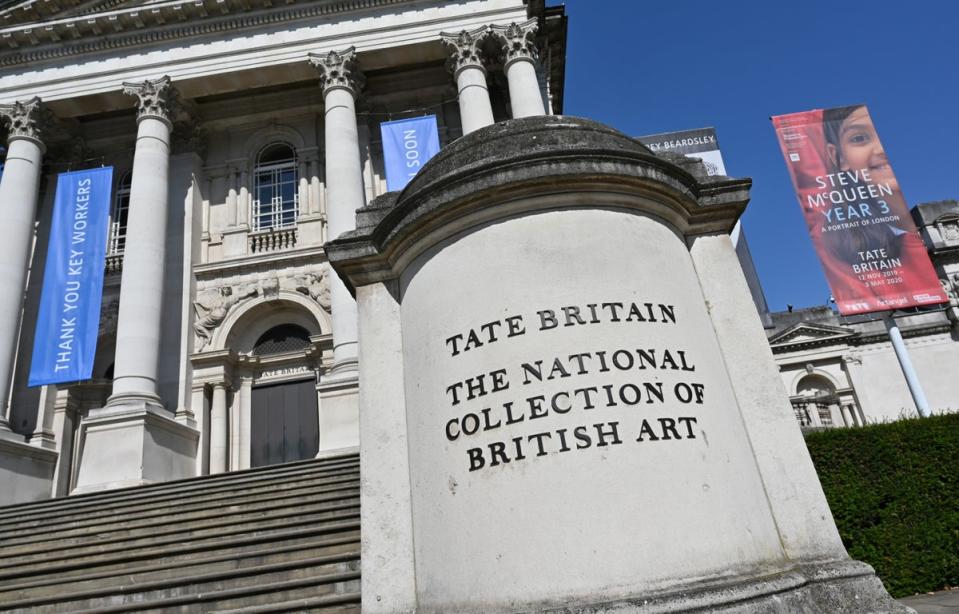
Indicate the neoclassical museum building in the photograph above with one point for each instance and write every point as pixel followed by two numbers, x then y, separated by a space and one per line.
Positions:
pixel 843 372
pixel 243 134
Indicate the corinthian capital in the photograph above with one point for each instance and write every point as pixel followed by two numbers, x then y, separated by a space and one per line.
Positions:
pixel 338 70
pixel 28 120
pixel 518 41
pixel 157 98
pixel 466 48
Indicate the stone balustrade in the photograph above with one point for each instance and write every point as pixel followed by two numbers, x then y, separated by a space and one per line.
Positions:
pixel 272 240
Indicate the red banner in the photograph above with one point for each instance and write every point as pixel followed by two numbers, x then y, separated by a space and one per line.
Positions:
pixel 858 220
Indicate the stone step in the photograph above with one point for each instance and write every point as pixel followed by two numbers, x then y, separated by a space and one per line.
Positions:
pixel 120 533
pixel 274 539
pixel 170 568
pixel 186 513
pixel 176 501
pixel 114 541
pixel 252 480
pixel 325 575
pixel 180 553
pixel 348 603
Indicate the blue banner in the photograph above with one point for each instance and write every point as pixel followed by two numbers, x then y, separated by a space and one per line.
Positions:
pixel 407 145
pixel 66 337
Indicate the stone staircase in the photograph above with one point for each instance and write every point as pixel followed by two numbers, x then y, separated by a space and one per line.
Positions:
pixel 284 538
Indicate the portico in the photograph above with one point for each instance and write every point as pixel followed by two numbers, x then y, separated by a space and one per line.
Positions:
pixel 171 396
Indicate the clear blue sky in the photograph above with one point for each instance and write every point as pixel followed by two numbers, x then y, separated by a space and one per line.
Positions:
pixel 645 67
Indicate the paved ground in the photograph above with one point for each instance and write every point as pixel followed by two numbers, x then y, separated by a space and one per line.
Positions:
pixel 942 602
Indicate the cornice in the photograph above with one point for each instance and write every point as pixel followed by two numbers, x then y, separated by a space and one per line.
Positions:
pixel 858 338
pixel 256 263
pixel 785 347
pixel 154 23
pixel 907 333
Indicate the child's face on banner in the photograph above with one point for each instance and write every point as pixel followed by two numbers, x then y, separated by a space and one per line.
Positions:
pixel 860 148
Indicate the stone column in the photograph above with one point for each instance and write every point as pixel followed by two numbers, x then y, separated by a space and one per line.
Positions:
pixel 341 82
pixel 202 408
pixel 303 189
pixel 519 63
pixel 315 192
pixel 812 410
pixel 232 220
pixel 218 428
pixel 141 286
pixel 246 407
pixel 470 75
pixel 19 190
pixel 243 200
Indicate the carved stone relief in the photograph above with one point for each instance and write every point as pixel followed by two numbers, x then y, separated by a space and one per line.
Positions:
pixel 215 299
pixel 213 305
pixel 316 286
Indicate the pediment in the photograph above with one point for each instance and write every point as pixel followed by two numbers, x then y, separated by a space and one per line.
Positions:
pixel 806 333
pixel 33 30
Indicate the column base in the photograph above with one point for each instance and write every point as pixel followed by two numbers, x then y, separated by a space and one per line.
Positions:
pixel 834 587
pixel 133 441
pixel 339 407
pixel 345 369
pixel 122 402
pixel 26 471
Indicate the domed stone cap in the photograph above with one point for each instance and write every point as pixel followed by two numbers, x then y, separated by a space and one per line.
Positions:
pixel 481 176
pixel 522 139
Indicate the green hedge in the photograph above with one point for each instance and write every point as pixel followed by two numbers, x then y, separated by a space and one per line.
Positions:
pixel 894 492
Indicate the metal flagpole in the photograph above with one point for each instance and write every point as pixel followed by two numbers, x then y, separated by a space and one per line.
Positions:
pixel 918 396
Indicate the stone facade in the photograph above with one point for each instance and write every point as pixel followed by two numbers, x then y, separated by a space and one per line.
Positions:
pixel 200 107
pixel 842 371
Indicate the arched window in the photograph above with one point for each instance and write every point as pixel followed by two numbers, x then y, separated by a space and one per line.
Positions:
pixel 282 338
pixel 118 217
pixel 275 200
pixel 815 386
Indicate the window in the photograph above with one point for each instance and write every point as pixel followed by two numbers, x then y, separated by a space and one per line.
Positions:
pixel 282 338
pixel 825 414
pixel 118 217
pixel 814 385
pixel 275 199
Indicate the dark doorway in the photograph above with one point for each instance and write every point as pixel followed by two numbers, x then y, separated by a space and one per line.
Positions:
pixel 284 425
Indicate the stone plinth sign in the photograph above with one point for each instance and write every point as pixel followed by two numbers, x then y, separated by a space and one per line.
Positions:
pixel 567 399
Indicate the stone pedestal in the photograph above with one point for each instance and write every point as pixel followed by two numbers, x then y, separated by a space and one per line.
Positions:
pixel 26 471
pixel 235 241
pixel 571 408
pixel 132 445
pixel 310 230
pixel 338 409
